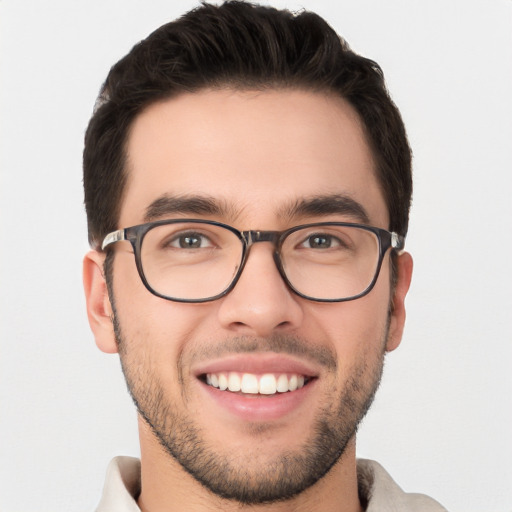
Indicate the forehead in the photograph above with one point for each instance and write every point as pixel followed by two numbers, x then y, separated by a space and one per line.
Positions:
pixel 253 152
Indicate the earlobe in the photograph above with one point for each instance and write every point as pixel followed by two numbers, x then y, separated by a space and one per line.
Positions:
pixel 99 309
pixel 397 320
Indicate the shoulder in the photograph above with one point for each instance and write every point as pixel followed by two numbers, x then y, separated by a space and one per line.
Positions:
pixel 122 486
pixel 381 493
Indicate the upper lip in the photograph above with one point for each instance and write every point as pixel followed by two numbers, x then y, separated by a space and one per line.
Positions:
pixel 257 364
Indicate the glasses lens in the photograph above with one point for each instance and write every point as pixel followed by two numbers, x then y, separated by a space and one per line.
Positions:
pixel 190 261
pixel 330 262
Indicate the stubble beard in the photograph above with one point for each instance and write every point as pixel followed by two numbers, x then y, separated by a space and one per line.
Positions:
pixel 279 477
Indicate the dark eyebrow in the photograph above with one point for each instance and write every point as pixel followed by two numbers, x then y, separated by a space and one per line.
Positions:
pixel 318 206
pixel 168 204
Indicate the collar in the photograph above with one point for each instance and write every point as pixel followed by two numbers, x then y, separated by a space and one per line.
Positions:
pixel 377 490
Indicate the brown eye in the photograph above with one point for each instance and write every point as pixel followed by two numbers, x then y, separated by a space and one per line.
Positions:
pixel 320 241
pixel 188 240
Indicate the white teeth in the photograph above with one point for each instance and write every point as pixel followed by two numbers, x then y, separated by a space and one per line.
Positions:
pixel 234 383
pixel 266 384
pixel 293 383
pixel 249 383
pixel 282 383
pixel 223 382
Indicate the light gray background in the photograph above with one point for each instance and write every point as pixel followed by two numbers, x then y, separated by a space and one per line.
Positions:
pixel 442 422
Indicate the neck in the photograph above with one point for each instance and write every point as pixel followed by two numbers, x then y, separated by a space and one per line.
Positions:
pixel 166 486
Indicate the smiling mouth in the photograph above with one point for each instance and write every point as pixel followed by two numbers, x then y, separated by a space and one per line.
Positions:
pixel 254 384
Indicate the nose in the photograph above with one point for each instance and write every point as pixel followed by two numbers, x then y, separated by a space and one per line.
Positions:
pixel 260 303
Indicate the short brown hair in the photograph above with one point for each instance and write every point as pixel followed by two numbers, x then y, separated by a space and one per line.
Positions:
pixel 241 46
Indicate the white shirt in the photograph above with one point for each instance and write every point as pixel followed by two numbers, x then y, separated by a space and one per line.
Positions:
pixel 122 486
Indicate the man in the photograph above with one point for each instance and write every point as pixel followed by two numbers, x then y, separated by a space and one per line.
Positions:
pixel 247 185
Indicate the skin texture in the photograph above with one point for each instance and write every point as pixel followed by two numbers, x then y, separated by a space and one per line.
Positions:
pixel 254 154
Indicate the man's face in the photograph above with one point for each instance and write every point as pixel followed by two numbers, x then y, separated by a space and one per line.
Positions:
pixel 253 156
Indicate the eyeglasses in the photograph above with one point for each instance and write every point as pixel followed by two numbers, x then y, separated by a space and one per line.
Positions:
pixel 190 260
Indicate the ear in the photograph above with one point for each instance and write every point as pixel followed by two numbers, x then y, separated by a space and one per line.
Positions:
pixel 397 321
pixel 99 309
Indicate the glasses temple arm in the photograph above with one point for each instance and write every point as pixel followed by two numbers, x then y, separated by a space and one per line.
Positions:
pixel 397 242
pixel 113 237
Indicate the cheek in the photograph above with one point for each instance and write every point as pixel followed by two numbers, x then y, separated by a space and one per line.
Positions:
pixel 145 315
pixel 162 326
pixel 353 327
pixel 157 333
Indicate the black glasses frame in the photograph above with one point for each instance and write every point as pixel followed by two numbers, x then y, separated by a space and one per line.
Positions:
pixel 135 235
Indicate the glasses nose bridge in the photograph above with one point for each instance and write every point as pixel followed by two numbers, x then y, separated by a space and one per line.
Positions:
pixel 254 236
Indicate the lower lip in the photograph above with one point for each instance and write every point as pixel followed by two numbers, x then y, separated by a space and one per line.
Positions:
pixel 261 408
